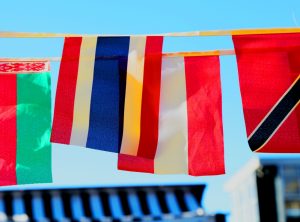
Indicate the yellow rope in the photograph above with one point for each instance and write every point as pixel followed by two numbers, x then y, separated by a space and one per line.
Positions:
pixel 175 34
pixel 172 54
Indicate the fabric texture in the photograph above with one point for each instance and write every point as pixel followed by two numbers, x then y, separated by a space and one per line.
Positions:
pixel 107 100
pixel 190 130
pixel 269 70
pixel 25 124
pixel 65 92
pixel 112 85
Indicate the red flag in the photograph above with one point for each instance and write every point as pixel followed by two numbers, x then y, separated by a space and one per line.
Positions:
pixel 269 70
pixel 190 134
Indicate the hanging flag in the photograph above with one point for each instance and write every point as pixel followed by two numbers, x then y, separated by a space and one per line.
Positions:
pixel 25 122
pixel 190 138
pixel 96 74
pixel 269 71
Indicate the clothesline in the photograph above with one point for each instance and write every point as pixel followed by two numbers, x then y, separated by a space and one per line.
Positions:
pixel 173 34
pixel 4 34
pixel 172 54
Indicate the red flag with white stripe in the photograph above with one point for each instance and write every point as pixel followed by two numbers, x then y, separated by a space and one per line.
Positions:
pixel 190 139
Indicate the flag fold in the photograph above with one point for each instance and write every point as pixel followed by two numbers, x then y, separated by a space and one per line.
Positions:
pixel 25 117
pixel 108 94
pixel 190 133
pixel 269 72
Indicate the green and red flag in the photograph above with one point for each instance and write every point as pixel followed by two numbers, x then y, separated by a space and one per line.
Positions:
pixel 25 122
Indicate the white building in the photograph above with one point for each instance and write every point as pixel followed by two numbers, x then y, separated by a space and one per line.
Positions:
pixel 266 190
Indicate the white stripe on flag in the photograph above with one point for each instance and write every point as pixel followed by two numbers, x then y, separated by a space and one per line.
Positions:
pixel 84 85
pixel 133 96
pixel 172 152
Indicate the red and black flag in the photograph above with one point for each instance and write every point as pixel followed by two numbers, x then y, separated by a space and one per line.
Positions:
pixel 269 75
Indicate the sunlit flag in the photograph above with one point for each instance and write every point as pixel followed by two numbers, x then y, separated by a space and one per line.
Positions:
pixel 190 137
pixel 25 122
pixel 269 71
pixel 96 74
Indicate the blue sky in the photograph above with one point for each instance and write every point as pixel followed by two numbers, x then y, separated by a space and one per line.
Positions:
pixel 78 166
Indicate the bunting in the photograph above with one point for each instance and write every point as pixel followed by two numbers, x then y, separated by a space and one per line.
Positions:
pixel 269 72
pixel 25 116
pixel 190 139
pixel 162 115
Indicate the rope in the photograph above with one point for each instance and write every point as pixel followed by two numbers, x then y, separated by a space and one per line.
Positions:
pixel 4 34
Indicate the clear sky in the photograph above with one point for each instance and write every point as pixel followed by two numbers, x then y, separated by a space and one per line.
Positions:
pixel 78 166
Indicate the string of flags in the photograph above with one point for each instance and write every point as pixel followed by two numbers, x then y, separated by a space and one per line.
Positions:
pixel 160 113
